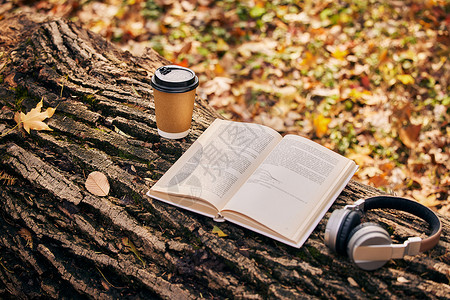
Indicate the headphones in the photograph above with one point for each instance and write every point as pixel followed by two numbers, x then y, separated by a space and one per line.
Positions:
pixel 368 245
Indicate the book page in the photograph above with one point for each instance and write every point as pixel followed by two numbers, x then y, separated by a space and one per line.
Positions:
pixel 291 186
pixel 218 162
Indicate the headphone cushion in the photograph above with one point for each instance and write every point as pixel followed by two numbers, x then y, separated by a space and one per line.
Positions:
pixel 363 225
pixel 352 220
pixel 367 234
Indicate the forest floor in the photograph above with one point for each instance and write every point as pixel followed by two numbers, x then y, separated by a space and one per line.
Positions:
pixel 367 79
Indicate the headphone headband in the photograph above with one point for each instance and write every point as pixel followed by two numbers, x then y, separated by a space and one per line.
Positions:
pixel 409 206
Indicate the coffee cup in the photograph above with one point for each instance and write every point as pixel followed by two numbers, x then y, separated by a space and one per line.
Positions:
pixel 174 93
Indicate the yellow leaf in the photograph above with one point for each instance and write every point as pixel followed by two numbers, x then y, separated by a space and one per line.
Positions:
pixel 222 45
pixel 405 78
pixel 355 94
pixel 34 118
pixel 218 69
pixel 163 29
pixel 339 54
pixel 219 232
pixel 97 183
pixel 321 125
pixel 308 60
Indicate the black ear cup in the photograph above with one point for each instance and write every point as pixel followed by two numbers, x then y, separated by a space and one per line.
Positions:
pixel 352 219
pixel 341 222
pixel 367 234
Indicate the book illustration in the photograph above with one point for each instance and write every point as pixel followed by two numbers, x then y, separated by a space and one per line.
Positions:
pixel 265 179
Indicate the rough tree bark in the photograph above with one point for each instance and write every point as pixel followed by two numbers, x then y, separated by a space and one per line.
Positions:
pixel 59 241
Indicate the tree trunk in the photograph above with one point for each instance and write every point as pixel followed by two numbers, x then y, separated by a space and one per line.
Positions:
pixel 60 241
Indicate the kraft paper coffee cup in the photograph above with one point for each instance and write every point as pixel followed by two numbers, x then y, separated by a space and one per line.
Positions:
pixel 174 93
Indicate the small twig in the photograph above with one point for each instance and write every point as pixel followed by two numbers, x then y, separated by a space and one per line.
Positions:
pixel 62 86
pixel 134 90
pixel 105 277
pixel 9 180
pixel 4 267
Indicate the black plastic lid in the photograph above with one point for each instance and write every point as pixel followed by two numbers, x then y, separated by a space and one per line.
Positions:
pixel 174 79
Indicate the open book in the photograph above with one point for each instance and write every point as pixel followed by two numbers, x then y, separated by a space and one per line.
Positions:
pixel 250 175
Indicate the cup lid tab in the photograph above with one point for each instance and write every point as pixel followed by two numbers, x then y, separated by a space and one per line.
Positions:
pixel 174 79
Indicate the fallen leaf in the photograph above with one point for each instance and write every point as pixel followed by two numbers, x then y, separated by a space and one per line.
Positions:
pixel 339 54
pixel 219 232
pixel 387 167
pixel 370 172
pixel 97 183
pixel 185 49
pixel 402 279
pixel 321 125
pixel 183 63
pixel 308 60
pixel 222 45
pixel 130 246
pixel 352 282
pixel 383 56
pixel 10 80
pixel 405 79
pixel 218 69
pixel 217 86
pixel 27 236
pixel 427 200
pixel 365 81
pixel 379 180
pixel 33 119
pixel 409 134
pixel 361 159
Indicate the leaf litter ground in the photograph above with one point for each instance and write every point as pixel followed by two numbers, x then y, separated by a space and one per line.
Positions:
pixel 368 79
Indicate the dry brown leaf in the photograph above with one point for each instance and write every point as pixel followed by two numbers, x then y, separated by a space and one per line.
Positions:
pixel 409 134
pixel 10 80
pixel 27 236
pixel 33 119
pixel 97 183
pixel 379 181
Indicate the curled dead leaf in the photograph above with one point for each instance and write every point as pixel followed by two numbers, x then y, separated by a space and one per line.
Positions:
pixel 27 236
pixel 97 184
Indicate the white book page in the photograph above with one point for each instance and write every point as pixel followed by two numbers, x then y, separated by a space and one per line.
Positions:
pixel 286 192
pixel 219 162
